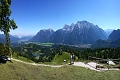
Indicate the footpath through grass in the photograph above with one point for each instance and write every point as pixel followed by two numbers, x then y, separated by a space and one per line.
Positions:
pixel 21 71
pixel 23 59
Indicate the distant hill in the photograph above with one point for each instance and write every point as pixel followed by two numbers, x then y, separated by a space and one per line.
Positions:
pixel 101 44
pixel 12 38
pixel 42 35
pixel 112 42
pixel 106 44
pixel 82 32
pixel 115 35
pixel 2 40
pixel 2 36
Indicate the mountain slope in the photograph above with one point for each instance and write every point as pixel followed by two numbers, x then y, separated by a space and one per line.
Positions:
pixel 85 32
pixel 12 38
pixel 115 35
pixel 2 40
pixel 60 35
pixel 42 35
pixel 112 42
pixel 82 32
pixel 106 44
pixel 57 37
pixel 108 31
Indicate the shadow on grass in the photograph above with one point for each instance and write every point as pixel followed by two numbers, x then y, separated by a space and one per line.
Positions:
pixel 10 61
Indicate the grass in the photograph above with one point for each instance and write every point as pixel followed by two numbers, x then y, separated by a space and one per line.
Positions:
pixel 59 59
pixel 47 44
pixel 21 71
pixel 42 44
pixel 23 59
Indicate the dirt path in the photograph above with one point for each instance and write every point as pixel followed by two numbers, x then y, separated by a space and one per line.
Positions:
pixel 90 65
pixel 56 66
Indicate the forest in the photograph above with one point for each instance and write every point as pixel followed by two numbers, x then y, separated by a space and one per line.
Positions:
pixel 39 53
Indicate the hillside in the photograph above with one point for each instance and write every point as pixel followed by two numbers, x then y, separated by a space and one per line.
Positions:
pixel 2 40
pixel 112 41
pixel 12 38
pixel 60 58
pixel 21 71
pixel 108 31
pixel 115 35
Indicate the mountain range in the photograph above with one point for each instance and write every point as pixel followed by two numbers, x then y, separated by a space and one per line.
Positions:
pixel 82 32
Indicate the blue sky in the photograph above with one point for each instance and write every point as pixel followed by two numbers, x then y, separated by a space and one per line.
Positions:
pixel 33 15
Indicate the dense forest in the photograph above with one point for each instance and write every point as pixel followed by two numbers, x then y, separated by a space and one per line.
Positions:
pixel 48 53
pixel 106 44
pixel 40 53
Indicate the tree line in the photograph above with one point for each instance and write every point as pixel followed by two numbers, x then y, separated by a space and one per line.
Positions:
pixel 46 54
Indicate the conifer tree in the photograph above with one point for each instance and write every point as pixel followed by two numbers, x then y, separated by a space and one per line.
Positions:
pixel 6 23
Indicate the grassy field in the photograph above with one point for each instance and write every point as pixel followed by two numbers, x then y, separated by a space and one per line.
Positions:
pixel 47 44
pixel 42 44
pixel 21 71
pixel 59 59
pixel 24 59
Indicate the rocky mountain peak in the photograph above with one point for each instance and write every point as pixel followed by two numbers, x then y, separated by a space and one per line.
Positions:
pixel 68 28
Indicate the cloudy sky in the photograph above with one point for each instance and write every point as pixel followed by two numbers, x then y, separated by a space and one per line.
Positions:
pixel 33 15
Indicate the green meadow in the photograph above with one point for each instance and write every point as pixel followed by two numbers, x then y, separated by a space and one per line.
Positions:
pixel 21 71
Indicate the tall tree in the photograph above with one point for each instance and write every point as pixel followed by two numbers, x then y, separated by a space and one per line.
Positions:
pixel 6 23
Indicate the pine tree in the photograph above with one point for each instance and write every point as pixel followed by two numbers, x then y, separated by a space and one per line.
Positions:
pixel 6 23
